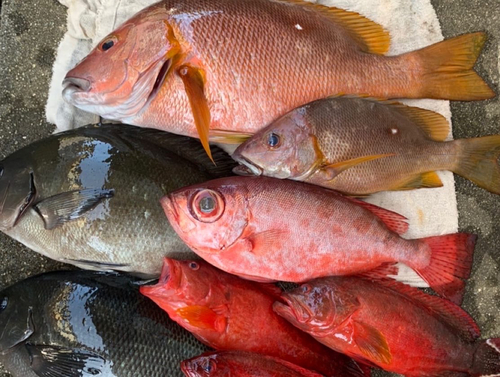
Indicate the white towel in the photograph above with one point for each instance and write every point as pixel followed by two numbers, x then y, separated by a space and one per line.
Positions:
pixel 412 24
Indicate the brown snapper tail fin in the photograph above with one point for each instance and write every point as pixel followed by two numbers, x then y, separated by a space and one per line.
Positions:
pixel 447 69
pixel 478 162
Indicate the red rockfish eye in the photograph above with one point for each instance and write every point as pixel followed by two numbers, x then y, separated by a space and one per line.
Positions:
pixel 207 206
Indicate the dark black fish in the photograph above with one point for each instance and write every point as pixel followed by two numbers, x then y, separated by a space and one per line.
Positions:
pixel 81 323
pixel 90 196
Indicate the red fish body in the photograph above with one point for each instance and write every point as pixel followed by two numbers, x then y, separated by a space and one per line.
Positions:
pixel 395 327
pixel 228 313
pixel 192 66
pixel 268 229
pixel 241 364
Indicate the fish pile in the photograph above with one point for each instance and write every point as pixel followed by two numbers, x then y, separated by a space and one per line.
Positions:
pixel 313 129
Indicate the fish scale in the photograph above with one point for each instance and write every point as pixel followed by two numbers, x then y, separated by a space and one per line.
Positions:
pixel 78 313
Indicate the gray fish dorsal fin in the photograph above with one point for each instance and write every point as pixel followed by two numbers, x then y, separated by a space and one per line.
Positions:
pixel 53 361
pixel 67 206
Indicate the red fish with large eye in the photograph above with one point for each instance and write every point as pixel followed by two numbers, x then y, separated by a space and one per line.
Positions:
pixel 268 229
pixel 393 326
pixel 229 313
pixel 241 364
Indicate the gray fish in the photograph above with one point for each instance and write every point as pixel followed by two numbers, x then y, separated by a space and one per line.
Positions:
pixel 81 323
pixel 90 196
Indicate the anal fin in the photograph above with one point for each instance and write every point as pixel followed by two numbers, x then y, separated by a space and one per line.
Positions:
pixel 425 180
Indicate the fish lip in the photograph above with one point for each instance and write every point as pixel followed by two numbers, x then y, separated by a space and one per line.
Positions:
pixel 76 84
pixel 169 207
pixel 295 309
pixel 246 167
pixel 187 368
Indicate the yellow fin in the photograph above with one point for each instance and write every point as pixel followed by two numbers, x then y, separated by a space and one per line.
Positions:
pixel 433 124
pixel 372 37
pixel 194 83
pixel 229 137
pixel 335 169
pixel 429 179
pixel 372 343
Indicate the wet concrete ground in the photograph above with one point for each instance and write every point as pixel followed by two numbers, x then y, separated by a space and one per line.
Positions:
pixel 30 31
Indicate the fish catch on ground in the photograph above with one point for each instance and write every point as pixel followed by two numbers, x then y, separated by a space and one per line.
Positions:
pixel 267 229
pixel 80 323
pixel 241 364
pixel 194 67
pixel 360 146
pixel 393 326
pixel 228 313
pixel 90 196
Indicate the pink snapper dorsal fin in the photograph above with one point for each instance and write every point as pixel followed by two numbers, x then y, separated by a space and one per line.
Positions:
pixel 394 221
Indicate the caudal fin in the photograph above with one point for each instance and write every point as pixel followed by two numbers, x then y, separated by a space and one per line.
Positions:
pixel 487 359
pixel 479 162
pixel 451 261
pixel 448 69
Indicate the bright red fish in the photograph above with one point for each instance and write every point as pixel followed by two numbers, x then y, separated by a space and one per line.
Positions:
pixel 393 326
pixel 242 364
pixel 268 229
pixel 228 313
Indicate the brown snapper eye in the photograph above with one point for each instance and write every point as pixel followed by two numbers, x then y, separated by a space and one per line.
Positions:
pixel 273 140
pixel 207 206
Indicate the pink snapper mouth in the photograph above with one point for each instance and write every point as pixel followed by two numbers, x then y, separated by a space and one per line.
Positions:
pixel 246 167
pixel 115 105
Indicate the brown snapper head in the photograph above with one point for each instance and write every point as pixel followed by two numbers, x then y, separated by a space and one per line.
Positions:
pixel 286 148
pixel 126 69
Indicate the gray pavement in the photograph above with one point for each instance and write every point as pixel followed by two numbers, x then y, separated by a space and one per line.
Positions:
pixel 29 34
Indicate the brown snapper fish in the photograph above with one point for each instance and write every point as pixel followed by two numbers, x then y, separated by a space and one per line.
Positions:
pixel 194 66
pixel 360 146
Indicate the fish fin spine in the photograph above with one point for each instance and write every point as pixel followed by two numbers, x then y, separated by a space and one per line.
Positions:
pixel 450 262
pixel 447 69
pixel 478 162
pixel 487 359
pixel 394 221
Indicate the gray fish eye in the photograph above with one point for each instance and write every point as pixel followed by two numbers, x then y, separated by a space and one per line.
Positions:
pixel 207 204
pixel 273 140
pixel 3 304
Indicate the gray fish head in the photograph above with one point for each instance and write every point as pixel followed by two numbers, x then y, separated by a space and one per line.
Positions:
pixel 16 320
pixel 17 191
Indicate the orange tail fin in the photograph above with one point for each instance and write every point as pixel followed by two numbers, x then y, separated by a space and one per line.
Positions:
pixel 448 69
pixel 451 261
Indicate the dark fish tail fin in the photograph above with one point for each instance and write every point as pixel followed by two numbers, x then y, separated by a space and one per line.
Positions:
pixel 447 69
pixel 478 162
pixel 451 261
pixel 487 359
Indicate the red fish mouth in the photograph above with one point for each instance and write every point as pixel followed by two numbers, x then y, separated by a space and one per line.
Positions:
pixel 166 282
pixel 75 84
pixel 293 310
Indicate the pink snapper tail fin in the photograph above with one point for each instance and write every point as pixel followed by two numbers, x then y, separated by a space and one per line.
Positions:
pixel 451 262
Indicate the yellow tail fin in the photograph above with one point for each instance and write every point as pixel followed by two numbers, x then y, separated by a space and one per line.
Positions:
pixel 479 162
pixel 448 69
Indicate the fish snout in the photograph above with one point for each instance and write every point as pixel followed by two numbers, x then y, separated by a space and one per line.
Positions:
pixel 72 85
pixel 246 167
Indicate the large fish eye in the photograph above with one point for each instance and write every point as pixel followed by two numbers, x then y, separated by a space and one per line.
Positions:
pixel 3 304
pixel 273 140
pixel 209 366
pixel 207 206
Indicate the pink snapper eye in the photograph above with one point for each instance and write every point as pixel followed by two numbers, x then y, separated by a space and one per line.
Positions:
pixel 207 206
pixel 108 43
